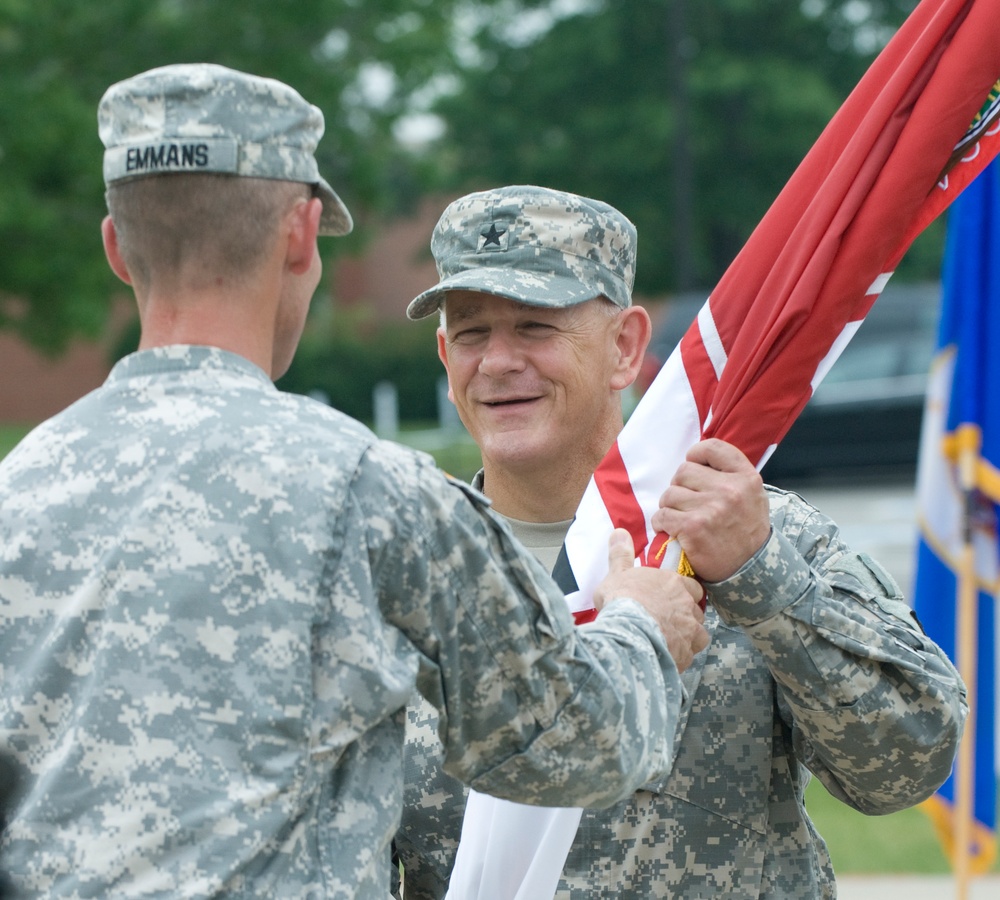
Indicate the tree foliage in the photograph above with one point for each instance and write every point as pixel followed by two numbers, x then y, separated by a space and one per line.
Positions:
pixel 345 363
pixel 688 116
pixel 358 60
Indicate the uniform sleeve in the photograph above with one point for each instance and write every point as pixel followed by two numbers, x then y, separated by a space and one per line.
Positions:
pixel 531 709
pixel 433 808
pixel 875 707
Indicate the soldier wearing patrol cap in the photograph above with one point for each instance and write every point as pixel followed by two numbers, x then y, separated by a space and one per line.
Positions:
pixel 555 264
pixel 815 664
pixel 216 598
pixel 534 245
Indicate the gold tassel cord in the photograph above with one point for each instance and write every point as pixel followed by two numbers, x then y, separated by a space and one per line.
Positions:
pixel 684 567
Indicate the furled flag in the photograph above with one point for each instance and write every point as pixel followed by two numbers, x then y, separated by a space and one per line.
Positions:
pixel 898 151
pixel 958 498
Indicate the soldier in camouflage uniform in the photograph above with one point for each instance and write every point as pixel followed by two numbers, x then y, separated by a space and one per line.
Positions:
pixel 216 598
pixel 815 664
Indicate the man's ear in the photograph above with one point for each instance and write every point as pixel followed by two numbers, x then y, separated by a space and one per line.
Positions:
pixel 634 333
pixel 110 238
pixel 442 342
pixel 303 230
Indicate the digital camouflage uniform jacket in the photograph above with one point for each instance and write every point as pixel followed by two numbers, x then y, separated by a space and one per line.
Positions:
pixel 216 600
pixel 815 664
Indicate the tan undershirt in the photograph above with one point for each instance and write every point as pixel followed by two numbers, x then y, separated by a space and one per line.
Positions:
pixel 544 539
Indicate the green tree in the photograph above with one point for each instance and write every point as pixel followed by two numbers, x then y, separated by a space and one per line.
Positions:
pixel 688 116
pixel 620 99
pixel 358 61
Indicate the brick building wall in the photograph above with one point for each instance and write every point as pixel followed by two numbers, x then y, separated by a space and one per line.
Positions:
pixel 395 267
pixel 34 386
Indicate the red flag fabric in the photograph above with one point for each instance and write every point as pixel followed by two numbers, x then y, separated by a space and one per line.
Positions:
pixel 893 157
pixel 847 214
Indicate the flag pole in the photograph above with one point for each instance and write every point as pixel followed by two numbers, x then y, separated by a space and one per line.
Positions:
pixel 967 619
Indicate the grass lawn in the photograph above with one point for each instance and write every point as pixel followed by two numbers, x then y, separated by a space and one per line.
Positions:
pixel 456 454
pixel 10 435
pixel 901 842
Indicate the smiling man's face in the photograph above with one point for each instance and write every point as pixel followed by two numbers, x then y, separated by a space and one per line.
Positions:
pixel 534 386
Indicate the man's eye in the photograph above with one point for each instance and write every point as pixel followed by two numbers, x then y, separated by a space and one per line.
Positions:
pixel 468 335
pixel 537 327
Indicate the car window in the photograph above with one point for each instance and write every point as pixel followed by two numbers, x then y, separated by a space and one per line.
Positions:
pixel 896 340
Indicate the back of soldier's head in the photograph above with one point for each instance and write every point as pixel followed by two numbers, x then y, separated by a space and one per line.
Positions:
pixel 201 162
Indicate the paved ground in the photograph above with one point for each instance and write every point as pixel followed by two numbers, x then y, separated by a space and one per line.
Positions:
pixel 879 517
pixel 914 887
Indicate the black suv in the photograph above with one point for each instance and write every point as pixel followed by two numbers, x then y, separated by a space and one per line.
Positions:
pixel 864 419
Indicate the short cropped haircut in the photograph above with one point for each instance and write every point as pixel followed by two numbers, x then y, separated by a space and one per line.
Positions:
pixel 219 225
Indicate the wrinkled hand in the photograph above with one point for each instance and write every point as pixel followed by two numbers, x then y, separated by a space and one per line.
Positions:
pixel 716 507
pixel 670 598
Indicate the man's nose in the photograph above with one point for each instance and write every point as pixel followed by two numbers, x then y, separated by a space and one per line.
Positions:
pixel 501 355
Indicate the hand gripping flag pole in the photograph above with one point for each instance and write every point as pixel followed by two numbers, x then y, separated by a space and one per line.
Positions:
pixel 898 151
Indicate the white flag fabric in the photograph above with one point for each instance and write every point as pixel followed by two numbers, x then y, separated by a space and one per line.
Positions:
pixel 492 861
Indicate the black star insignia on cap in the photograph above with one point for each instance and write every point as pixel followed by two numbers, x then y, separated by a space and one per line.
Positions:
pixel 493 235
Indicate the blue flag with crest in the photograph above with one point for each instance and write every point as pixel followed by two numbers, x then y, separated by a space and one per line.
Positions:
pixel 962 421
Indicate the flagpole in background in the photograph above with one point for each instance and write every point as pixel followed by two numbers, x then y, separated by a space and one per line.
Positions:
pixel 958 511
pixel 967 630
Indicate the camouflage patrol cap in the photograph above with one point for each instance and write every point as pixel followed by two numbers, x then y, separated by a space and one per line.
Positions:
pixel 532 244
pixel 203 117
